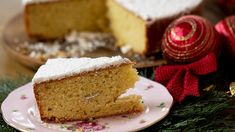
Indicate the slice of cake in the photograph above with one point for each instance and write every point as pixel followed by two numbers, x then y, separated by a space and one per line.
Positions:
pixel 52 19
pixel 141 23
pixel 83 88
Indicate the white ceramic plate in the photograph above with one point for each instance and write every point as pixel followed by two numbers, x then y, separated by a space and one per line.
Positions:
pixel 19 110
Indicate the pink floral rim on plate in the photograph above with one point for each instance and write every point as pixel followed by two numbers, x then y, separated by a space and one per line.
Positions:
pixel 20 111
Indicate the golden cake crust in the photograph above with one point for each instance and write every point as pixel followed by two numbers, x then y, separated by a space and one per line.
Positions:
pixel 62 120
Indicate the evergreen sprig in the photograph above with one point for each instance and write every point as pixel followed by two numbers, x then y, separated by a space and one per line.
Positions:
pixel 210 112
pixel 147 72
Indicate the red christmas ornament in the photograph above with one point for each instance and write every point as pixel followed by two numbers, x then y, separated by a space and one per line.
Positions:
pixel 189 38
pixel 226 28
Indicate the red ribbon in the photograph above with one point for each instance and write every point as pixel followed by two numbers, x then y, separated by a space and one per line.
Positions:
pixel 182 80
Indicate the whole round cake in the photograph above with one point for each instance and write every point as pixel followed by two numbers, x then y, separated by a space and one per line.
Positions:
pixel 139 24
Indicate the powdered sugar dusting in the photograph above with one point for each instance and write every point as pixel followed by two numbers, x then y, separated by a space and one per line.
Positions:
pixel 156 9
pixel 60 68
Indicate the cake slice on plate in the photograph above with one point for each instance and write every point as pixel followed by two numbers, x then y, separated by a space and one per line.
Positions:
pixel 83 88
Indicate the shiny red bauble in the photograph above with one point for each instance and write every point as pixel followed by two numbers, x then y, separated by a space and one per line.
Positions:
pixel 189 38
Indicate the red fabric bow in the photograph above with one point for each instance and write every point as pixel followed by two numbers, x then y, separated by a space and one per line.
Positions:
pixel 181 80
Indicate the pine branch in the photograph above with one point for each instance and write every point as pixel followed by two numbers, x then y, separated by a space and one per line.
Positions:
pixel 147 72
pixel 207 112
